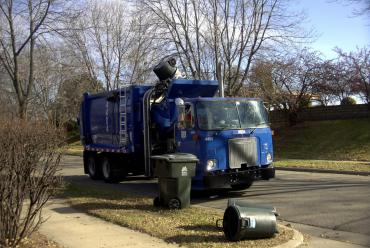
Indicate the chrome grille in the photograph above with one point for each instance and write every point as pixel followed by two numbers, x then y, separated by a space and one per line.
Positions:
pixel 241 151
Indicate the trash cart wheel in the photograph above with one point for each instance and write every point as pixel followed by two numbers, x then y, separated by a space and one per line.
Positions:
pixel 157 202
pixel 174 203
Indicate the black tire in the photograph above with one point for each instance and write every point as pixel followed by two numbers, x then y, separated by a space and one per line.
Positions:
pixel 109 172
pixel 93 168
pixel 174 203
pixel 241 186
pixel 157 202
pixel 268 173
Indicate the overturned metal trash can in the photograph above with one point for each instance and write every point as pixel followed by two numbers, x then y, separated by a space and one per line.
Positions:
pixel 246 221
pixel 174 172
pixel 245 203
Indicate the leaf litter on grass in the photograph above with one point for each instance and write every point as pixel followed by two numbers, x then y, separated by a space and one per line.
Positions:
pixel 193 227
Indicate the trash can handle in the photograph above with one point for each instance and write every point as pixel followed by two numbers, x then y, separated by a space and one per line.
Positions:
pixel 218 225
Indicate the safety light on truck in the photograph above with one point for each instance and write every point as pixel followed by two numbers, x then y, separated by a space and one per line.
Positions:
pixel 269 158
pixel 211 164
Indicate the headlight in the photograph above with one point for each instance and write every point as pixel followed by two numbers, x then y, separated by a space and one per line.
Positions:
pixel 211 164
pixel 269 158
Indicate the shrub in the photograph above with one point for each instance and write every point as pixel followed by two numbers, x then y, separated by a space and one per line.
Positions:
pixel 29 162
pixel 348 101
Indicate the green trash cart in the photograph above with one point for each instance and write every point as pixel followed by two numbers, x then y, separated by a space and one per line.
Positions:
pixel 174 172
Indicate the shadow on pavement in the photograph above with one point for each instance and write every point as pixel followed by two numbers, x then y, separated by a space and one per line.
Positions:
pixel 149 187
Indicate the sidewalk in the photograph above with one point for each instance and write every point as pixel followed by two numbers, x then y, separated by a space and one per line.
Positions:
pixel 73 229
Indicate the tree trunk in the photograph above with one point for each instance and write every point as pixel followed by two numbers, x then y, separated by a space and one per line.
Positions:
pixel 293 118
pixel 22 109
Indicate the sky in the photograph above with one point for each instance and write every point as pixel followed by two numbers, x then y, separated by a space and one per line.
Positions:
pixel 335 24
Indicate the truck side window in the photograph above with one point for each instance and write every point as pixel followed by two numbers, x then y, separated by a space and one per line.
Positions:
pixel 189 116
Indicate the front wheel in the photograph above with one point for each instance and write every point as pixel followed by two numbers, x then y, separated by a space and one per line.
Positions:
pixel 268 173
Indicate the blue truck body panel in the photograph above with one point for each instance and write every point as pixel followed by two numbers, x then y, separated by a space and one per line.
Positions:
pixel 192 88
pixel 100 120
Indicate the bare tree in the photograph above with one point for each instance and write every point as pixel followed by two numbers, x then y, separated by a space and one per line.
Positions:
pixel 22 24
pixel 207 33
pixel 14 41
pixel 262 84
pixel 362 9
pixel 145 50
pixel 358 70
pixel 58 85
pixel 46 83
pixel 336 81
pixel 289 82
pixel 115 42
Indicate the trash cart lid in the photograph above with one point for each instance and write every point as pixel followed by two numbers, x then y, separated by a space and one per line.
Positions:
pixel 177 157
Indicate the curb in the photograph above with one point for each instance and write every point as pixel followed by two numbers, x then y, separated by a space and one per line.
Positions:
pixel 356 173
pixel 296 240
pixel 71 154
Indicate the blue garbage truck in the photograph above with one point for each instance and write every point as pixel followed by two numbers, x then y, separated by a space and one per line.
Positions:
pixel 122 129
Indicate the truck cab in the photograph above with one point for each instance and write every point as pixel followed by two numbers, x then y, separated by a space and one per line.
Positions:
pixel 231 138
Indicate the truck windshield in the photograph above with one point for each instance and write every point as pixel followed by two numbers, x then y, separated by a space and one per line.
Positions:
pixel 236 114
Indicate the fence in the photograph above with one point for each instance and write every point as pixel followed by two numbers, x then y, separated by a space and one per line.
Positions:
pixel 281 118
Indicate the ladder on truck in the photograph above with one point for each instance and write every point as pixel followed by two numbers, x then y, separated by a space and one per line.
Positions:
pixel 123 137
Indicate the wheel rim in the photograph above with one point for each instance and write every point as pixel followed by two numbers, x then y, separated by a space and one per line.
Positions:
pixel 174 204
pixel 92 167
pixel 106 168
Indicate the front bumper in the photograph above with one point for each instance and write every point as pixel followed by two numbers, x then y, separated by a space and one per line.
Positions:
pixel 267 173
pixel 222 179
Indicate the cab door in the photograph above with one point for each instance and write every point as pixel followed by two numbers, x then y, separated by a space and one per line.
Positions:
pixel 186 136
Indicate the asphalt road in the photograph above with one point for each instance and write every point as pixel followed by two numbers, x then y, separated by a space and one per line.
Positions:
pixel 329 206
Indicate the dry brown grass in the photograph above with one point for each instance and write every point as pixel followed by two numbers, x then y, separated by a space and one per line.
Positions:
pixel 37 240
pixel 192 227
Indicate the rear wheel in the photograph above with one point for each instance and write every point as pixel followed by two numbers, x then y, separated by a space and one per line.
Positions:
pixel 93 168
pixel 110 175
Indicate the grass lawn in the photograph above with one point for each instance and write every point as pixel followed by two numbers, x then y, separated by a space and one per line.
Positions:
pixel 191 227
pixel 325 164
pixel 324 140
pixel 74 148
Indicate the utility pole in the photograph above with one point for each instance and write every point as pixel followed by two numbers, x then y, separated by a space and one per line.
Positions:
pixel 220 81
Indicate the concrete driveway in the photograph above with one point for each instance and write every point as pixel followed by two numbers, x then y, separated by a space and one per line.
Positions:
pixel 330 206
